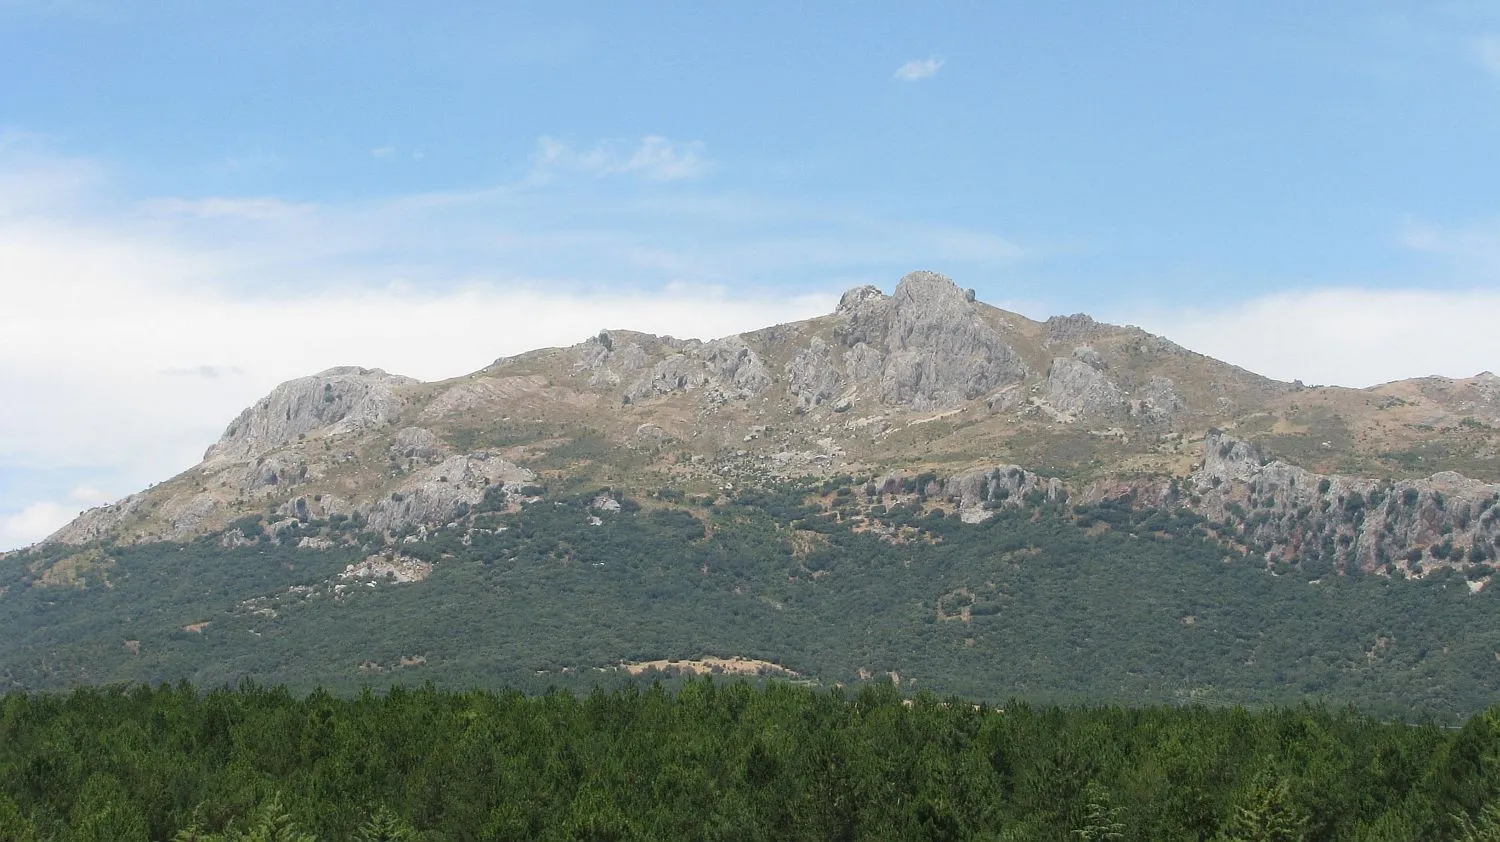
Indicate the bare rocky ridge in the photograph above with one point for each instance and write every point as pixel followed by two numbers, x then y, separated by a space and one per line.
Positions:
pixel 339 400
pixel 995 407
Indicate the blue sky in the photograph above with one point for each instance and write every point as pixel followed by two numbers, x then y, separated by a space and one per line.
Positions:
pixel 189 190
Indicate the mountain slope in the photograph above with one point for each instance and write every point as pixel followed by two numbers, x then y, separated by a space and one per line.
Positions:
pixel 1040 600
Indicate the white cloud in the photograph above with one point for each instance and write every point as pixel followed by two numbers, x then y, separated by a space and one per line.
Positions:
pixel 918 69
pixel 1342 337
pixel 33 523
pixel 652 157
pixel 1487 53
pixel 383 152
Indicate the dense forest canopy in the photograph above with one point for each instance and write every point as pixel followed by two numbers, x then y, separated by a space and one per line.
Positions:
pixel 722 761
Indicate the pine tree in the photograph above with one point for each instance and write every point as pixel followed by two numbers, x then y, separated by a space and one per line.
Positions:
pixel 384 826
pixel 271 823
pixel 1269 816
pixel 1101 820
pixel 1485 829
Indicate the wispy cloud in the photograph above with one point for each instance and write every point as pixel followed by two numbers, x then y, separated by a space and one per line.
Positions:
pixel 1471 248
pixel 918 69
pixel 652 157
pixel 1487 53
pixel 383 152
pixel 253 208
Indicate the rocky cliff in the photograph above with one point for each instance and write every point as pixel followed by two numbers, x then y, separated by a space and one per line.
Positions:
pixel 1342 523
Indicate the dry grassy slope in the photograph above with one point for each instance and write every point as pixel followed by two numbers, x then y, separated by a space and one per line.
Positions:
pixel 927 379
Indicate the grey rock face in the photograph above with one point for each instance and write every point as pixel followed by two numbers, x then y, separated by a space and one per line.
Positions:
pixel 863 363
pixel 417 443
pixel 437 493
pixel 723 369
pixel 735 363
pixel 978 492
pixel 1159 400
pixel 608 361
pixel 811 377
pixel 632 358
pixel 97 523
pixel 1077 388
pixel 677 373
pixel 1341 522
pixel 1229 458
pixel 336 401
pixel 1072 330
pixel 939 350
pixel 981 490
pixel 318 506
pixel 1087 355
pixel 862 312
pixel 183 515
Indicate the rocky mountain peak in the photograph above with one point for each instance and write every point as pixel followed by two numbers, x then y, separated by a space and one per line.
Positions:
pixel 940 351
pixel 927 288
pixel 1079 327
pixel 858 298
pixel 342 399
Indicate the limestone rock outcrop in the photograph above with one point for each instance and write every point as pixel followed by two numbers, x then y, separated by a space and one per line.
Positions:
pixel 981 490
pixel 811 377
pixel 1159 401
pixel 438 493
pixel 1078 388
pixel 1337 522
pixel 417 443
pixel 338 400
pixel 736 364
pixel 939 349
pixel 98 523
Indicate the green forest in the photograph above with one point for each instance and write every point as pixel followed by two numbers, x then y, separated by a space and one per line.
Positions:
pixel 722 761
pixel 1056 604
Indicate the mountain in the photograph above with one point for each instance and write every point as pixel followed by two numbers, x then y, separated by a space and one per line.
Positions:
pixel 925 381
pixel 916 486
